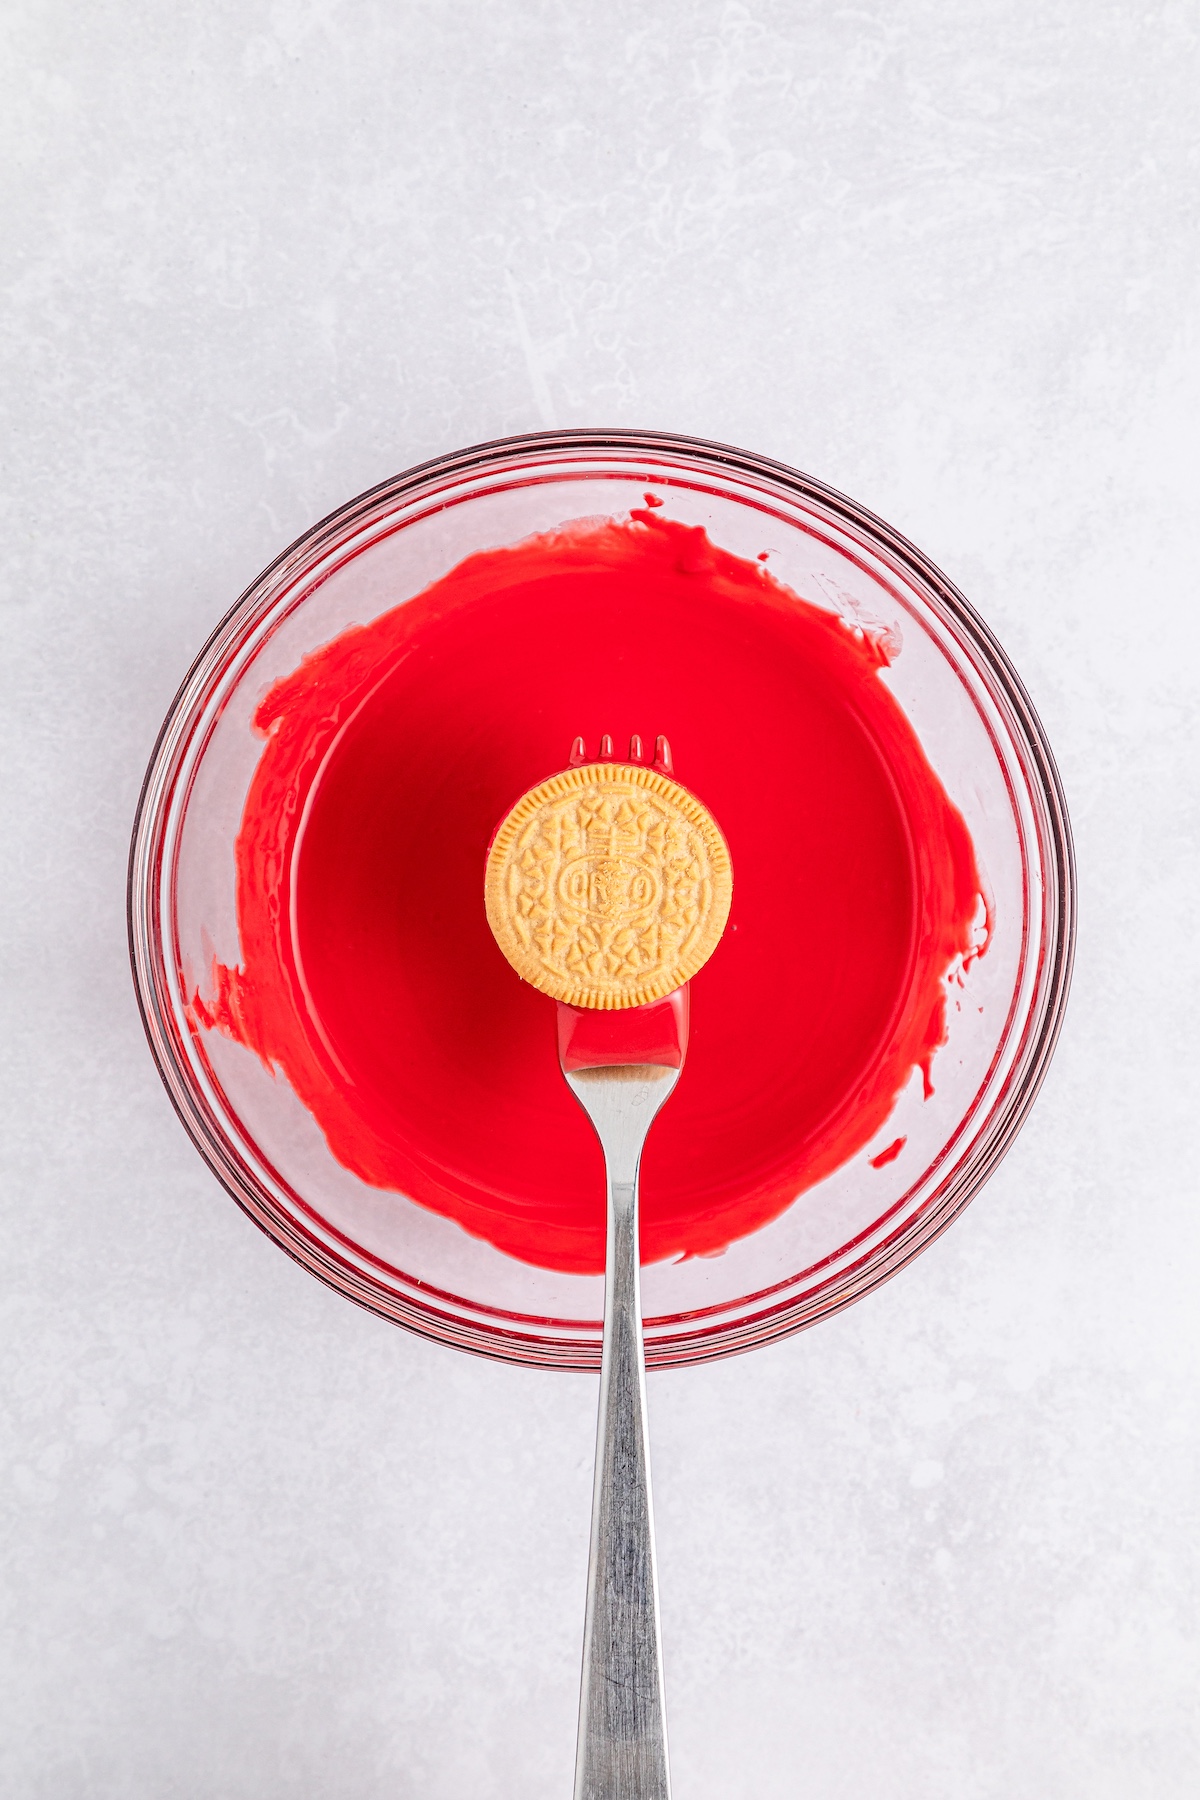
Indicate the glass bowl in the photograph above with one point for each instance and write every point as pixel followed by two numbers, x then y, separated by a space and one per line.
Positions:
pixel 841 1237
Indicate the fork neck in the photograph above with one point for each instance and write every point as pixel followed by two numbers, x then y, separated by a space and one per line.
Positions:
pixel 622 1102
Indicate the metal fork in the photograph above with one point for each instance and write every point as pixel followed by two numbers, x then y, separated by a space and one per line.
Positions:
pixel 622 1753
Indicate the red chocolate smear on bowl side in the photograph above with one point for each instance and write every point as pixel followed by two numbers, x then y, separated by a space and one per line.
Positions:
pixel 888 1154
pixel 369 976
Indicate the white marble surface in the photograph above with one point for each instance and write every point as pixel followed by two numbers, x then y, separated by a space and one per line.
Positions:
pixel 260 256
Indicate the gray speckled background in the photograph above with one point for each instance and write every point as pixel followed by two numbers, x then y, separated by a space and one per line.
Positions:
pixel 259 1546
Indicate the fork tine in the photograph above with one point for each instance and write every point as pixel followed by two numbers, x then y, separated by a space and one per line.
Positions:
pixel 662 756
pixel 578 754
pixel 606 748
pixel 635 748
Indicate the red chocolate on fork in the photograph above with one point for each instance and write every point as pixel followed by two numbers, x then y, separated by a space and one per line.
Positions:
pixel 662 753
pixel 590 1037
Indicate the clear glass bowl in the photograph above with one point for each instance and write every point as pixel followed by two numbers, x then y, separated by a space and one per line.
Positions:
pixel 842 1237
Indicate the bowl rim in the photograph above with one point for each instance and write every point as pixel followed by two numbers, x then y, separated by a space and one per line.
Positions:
pixel 887 1255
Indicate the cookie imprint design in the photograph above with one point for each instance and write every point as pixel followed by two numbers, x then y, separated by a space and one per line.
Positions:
pixel 608 885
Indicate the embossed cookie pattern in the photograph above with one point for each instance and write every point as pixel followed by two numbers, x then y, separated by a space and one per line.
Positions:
pixel 608 885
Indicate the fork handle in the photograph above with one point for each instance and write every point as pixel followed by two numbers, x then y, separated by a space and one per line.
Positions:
pixel 622 1751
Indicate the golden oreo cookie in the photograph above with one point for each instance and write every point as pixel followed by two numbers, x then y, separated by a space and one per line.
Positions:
pixel 608 885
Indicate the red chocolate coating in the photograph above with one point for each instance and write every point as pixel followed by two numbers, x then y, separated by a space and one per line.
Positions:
pixel 369 974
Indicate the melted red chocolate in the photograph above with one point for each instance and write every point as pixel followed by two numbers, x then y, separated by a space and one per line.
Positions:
pixel 369 974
